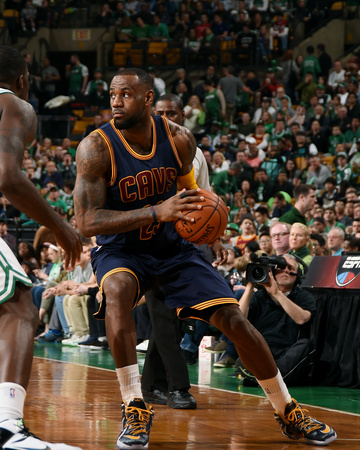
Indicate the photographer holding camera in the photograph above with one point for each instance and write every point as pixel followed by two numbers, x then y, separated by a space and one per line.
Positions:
pixel 282 312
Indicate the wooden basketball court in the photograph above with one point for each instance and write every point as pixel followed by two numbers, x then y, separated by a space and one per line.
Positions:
pixel 80 405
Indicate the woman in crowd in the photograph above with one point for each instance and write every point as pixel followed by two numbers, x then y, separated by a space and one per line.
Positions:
pixel 219 163
pixel 194 114
pixel 300 242
pixel 245 187
pixel 293 173
pixel 268 122
pixel 26 252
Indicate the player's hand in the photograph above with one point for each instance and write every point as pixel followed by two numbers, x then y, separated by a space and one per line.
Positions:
pixel 70 241
pixel 183 201
pixel 220 252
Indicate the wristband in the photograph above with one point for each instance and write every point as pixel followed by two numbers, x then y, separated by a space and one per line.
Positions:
pixel 153 213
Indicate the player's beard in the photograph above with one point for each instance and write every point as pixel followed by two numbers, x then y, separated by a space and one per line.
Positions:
pixel 126 123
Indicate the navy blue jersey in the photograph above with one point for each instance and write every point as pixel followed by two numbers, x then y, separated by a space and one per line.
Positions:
pixel 155 255
pixel 138 181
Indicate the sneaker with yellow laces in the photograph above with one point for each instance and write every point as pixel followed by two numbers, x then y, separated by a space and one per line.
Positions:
pixel 296 424
pixel 136 421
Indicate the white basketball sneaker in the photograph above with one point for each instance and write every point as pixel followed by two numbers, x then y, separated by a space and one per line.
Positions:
pixel 15 436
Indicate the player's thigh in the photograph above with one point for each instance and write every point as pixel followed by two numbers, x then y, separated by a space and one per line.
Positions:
pixel 121 290
pixel 20 305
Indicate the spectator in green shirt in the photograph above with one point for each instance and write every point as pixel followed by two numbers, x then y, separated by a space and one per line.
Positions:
pixel 78 75
pixel 305 199
pixel 310 64
pixel 306 88
pixel 330 219
pixel 140 30
pixel 224 183
pixel 335 138
pixel 54 198
pixel 158 31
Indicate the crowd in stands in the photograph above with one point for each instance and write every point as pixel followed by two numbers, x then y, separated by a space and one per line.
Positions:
pixel 261 27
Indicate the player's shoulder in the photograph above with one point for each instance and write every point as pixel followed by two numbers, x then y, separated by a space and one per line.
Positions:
pixel 92 141
pixel 17 110
pixel 9 99
pixel 93 149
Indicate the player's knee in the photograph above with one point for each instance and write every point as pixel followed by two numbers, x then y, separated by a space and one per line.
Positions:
pixel 120 286
pixel 229 318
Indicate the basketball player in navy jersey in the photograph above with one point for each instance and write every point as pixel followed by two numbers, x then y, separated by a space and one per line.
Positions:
pixel 18 314
pixel 129 174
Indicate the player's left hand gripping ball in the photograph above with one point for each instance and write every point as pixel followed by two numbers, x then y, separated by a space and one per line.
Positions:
pixel 209 222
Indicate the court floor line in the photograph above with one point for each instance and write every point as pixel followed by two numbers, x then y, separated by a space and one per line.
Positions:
pixel 228 391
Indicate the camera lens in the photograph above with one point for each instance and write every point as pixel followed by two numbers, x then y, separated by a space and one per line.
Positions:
pixel 257 273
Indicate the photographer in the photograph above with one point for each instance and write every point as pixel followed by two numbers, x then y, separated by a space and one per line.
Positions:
pixel 282 312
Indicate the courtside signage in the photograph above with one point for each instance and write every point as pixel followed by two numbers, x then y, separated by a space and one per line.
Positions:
pixel 348 270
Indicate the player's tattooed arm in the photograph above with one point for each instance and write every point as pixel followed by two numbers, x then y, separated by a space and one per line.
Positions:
pixel 185 144
pixel 93 173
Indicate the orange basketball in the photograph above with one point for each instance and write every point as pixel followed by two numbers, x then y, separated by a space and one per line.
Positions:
pixel 210 221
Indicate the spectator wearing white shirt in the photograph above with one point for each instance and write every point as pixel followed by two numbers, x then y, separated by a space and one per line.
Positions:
pixel 159 83
pixel 337 76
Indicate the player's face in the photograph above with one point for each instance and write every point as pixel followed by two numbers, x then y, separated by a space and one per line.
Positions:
pixel 170 110
pixel 129 101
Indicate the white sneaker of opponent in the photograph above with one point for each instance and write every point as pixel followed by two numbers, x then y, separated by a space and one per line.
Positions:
pixel 15 436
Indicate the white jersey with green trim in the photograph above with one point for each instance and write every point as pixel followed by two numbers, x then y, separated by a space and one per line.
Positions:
pixel 10 268
pixel 6 91
pixel 11 272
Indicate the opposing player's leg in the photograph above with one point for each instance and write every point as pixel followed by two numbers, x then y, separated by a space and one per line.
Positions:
pixel 121 290
pixel 18 322
pixel 256 356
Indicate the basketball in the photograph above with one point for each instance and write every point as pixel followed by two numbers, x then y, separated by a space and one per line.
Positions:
pixel 210 221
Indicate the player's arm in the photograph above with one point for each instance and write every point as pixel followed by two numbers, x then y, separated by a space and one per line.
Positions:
pixel 18 126
pixel 93 168
pixel 186 146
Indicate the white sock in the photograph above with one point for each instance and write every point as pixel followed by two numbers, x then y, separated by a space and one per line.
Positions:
pixel 129 380
pixel 12 399
pixel 277 392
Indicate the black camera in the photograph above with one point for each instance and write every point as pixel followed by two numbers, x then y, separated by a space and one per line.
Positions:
pixel 258 271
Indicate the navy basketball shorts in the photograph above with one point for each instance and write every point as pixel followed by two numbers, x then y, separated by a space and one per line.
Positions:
pixel 186 279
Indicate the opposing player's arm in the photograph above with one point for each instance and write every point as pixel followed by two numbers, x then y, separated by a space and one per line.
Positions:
pixel 18 126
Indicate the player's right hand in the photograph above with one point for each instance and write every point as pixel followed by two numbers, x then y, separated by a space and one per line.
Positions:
pixel 170 210
pixel 70 240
